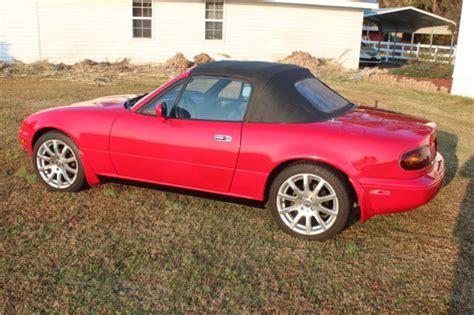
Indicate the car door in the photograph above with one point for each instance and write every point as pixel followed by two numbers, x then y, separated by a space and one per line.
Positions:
pixel 196 147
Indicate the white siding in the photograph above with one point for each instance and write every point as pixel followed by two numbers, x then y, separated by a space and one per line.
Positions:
pixel 272 31
pixel 102 30
pixel 18 30
pixel 463 77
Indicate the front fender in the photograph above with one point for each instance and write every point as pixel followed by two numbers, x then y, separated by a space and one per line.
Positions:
pixel 32 128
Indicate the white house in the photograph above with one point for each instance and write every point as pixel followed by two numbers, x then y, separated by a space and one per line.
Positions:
pixel 463 77
pixel 154 30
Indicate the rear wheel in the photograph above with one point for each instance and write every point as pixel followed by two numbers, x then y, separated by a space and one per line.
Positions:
pixel 310 201
pixel 57 162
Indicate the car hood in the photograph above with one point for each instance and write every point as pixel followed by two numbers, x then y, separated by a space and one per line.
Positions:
pixel 114 102
pixel 385 123
pixel 105 101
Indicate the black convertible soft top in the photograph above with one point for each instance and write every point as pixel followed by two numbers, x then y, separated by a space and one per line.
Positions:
pixel 274 98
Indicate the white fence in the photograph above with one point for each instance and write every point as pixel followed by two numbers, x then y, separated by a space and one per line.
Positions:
pixel 403 51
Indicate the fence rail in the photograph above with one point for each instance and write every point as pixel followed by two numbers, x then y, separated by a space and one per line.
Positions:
pixel 404 51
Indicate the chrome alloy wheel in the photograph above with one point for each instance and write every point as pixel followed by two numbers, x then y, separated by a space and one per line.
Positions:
pixel 307 204
pixel 57 164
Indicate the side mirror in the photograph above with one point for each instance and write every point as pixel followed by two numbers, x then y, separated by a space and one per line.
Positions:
pixel 161 110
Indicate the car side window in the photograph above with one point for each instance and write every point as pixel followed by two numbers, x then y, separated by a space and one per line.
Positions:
pixel 214 99
pixel 169 97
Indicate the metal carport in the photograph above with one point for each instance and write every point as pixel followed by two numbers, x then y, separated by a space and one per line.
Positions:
pixel 410 20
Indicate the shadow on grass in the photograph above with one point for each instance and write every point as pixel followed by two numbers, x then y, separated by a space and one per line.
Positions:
pixel 447 145
pixel 462 296
pixel 187 192
pixel 354 217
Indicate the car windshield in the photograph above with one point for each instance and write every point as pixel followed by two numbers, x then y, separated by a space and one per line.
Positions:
pixel 320 96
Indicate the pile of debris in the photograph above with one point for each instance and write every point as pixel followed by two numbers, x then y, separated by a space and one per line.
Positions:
pixel 179 62
pixel 101 72
pixel 303 59
pixel 372 71
pixel 87 70
pixel 320 67
pixel 88 65
pixel 202 58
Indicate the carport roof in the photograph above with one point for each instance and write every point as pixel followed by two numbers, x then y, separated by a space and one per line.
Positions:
pixel 408 20
pixel 360 4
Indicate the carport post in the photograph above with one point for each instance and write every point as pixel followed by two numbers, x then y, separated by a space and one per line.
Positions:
pixel 431 40
pixel 380 35
pixel 394 46
pixel 412 40
pixel 388 46
pixel 394 43
pixel 451 51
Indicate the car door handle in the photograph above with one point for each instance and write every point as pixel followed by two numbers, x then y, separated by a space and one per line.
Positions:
pixel 223 138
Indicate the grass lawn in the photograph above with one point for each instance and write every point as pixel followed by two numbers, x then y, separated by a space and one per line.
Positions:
pixel 420 69
pixel 117 247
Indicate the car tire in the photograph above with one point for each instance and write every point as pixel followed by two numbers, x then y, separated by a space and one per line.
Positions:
pixel 326 202
pixel 57 162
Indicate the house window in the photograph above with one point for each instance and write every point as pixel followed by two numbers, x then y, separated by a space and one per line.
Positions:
pixel 142 16
pixel 214 19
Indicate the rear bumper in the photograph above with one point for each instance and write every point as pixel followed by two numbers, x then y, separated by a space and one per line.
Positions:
pixel 383 196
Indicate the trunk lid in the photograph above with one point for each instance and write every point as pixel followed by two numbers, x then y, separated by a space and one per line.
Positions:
pixel 393 130
pixel 386 123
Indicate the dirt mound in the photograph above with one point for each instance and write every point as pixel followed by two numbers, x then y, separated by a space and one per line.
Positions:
pixel 178 62
pixel 303 59
pixel 202 58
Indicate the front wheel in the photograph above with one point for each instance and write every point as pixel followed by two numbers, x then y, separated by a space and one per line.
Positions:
pixel 310 201
pixel 57 162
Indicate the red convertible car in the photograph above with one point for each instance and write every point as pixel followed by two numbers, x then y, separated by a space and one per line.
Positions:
pixel 263 131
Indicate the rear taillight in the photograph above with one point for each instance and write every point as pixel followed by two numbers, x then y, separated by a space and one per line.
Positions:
pixel 417 159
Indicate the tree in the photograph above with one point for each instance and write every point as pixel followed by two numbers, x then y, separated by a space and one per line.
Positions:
pixel 450 9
